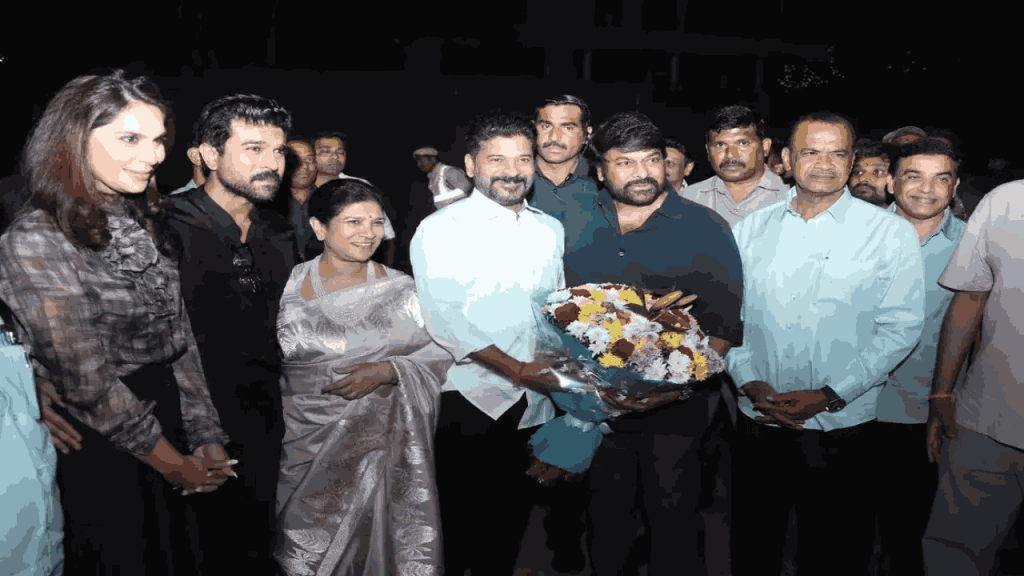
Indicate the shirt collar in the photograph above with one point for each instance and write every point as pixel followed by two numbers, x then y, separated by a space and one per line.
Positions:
pixel 947 227
pixel 837 211
pixel 672 207
pixel 582 171
pixel 489 209
pixel 768 181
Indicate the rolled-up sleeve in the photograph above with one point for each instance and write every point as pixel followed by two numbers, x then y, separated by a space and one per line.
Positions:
pixel 198 415
pixel 897 323
pixel 968 269
pixel 39 282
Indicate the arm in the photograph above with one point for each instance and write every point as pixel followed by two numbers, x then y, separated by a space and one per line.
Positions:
pixel 898 322
pixel 42 287
pixel 199 416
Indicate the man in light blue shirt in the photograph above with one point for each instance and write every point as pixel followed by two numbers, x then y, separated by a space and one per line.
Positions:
pixel 833 300
pixel 923 179
pixel 483 267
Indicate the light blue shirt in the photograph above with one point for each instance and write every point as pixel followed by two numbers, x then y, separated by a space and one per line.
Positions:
pixel 837 300
pixel 482 273
pixel 30 513
pixel 904 398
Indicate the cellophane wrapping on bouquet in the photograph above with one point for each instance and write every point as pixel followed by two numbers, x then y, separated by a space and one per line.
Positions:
pixel 620 338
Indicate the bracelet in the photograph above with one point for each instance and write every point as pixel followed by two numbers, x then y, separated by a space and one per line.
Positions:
pixel 941 395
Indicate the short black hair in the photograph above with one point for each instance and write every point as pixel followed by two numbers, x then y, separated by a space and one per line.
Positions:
pixel 735 116
pixel 214 124
pixel 867 148
pixel 673 143
pixel 498 125
pixel 629 131
pixel 924 147
pixel 567 100
pixel 339 135
pixel 825 118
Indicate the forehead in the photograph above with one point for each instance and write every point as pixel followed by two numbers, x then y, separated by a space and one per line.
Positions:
pixel 872 162
pixel 330 143
pixel 559 113
pixel 300 148
pixel 138 117
pixel 927 163
pixel 364 208
pixel 244 131
pixel 674 153
pixel 618 154
pixel 507 146
pixel 735 133
pixel 823 135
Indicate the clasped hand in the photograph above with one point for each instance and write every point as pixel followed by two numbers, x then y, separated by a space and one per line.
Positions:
pixel 362 380
pixel 204 471
pixel 790 410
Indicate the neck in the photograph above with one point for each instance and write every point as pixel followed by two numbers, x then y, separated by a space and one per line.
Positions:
pixel 332 266
pixel 239 208
pixel 632 217
pixel 810 205
pixel 322 179
pixel 302 194
pixel 924 227
pixel 197 176
pixel 558 173
pixel 740 190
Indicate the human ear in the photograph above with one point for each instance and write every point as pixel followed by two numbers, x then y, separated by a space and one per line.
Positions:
pixel 209 155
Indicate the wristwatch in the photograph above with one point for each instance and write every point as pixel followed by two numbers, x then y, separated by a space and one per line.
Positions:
pixel 835 403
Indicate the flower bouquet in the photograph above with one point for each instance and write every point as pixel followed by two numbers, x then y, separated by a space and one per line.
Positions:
pixel 613 339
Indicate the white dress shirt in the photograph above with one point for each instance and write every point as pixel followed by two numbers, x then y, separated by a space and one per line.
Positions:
pixel 482 272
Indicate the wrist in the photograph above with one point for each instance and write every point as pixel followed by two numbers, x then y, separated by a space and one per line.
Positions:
pixel 833 403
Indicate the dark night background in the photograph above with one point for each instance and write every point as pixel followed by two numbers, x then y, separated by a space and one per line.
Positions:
pixel 398 77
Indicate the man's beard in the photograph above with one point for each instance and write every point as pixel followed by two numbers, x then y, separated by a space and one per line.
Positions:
pixel 869 193
pixel 250 190
pixel 499 196
pixel 633 195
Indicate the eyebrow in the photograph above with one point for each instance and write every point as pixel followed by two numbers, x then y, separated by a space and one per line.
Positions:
pixel 253 142
pixel 136 133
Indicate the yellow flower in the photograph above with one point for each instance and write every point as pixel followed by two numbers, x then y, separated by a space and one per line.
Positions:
pixel 640 343
pixel 672 338
pixel 630 297
pixel 585 319
pixel 614 329
pixel 591 309
pixel 611 361
pixel 699 366
pixel 598 296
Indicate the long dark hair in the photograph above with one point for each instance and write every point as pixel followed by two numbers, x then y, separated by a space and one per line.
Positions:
pixel 56 165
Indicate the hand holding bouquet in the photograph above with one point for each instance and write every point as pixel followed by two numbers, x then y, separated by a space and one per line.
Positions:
pixel 615 348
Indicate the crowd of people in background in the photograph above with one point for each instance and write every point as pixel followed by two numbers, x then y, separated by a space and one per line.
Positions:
pixel 271 371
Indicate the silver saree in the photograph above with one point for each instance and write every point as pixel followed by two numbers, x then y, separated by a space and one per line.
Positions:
pixel 356 494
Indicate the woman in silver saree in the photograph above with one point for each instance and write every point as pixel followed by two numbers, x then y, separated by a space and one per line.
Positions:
pixel 361 385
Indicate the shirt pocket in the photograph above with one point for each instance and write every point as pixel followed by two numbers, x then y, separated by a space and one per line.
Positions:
pixel 852 280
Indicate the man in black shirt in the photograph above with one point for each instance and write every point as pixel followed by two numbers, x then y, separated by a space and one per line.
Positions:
pixel 236 260
pixel 640 233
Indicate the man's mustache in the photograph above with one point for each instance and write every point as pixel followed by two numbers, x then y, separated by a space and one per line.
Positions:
pixel 272 176
pixel 732 163
pixel 649 181
pixel 555 145
pixel 512 179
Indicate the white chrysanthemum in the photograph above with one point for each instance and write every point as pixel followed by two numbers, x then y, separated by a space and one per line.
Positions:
pixel 599 339
pixel 560 296
pixel 577 329
pixel 656 371
pixel 679 366
pixel 639 329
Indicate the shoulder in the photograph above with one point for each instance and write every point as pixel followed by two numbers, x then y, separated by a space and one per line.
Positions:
pixel 759 219
pixel 1004 200
pixel 699 187
pixel 32 230
pixel 275 222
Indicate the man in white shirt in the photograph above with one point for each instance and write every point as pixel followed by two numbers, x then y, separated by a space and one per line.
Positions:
pixel 447 183
pixel 483 266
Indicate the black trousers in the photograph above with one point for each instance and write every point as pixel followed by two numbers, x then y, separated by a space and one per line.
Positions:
pixel 236 523
pixel 906 483
pixel 120 516
pixel 646 496
pixel 827 476
pixel 484 493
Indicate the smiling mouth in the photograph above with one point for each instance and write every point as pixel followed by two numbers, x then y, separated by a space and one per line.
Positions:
pixel 146 175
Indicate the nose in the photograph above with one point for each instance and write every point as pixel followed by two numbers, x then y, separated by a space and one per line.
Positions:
pixel 732 152
pixel 152 155
pixel 274 160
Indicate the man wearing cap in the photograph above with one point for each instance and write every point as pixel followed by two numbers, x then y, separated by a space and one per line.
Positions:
pixel 904 135
pixel 447 183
